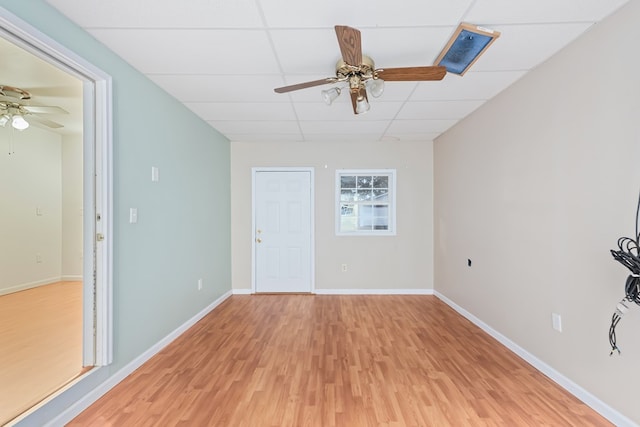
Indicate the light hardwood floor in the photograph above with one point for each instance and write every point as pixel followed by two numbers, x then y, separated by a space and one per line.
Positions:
pixel 40 344
pixel 295 360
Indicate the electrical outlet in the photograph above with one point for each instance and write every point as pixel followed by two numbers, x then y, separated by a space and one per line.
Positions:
pixel 38 258
pixel 344 268
pixel 199 284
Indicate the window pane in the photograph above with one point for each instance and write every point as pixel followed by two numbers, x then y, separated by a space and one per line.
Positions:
pixel 365 181
pixel 347 195
pixel 365 217
pixel 348 217
pixel 348 182
pixel 347 209
pixel 380 217
pixel 381 195
pixel 380 182
pixel 364 195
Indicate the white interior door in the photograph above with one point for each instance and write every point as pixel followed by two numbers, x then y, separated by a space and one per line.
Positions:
pixel 282 234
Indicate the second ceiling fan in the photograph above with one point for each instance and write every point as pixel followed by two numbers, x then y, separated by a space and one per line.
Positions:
pixel 359 73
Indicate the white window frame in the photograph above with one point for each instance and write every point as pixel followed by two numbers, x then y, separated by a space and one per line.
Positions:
pixel 391 173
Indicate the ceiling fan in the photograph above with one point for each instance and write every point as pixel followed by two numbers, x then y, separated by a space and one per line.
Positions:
pixel 357 70
pixel 16 107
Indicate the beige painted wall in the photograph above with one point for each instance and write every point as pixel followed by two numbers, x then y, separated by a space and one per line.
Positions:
pixel 30 179
pixel 400 262
pixel 72 207
pixel 536 188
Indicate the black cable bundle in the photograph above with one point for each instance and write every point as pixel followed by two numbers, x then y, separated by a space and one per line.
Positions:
pixel 628 254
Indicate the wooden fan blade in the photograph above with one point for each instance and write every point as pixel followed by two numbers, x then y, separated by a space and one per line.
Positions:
pixel 354 100
pixel 350 44
pixel 410 74
pixel 299 86
pixel 43 109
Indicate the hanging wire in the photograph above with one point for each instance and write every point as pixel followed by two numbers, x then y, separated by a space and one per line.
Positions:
pixel 628 254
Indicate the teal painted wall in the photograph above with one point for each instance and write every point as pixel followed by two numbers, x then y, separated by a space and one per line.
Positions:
pixel 183 229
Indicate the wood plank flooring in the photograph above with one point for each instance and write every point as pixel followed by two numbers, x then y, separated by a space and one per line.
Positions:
pixel 296 360
pixel 40 344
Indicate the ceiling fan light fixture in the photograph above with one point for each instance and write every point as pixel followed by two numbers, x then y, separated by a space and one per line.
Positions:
pixel 18 122
pixel 375 87
pixel 464 48
pixel 330 95
pixel 4 119
pixel 362 105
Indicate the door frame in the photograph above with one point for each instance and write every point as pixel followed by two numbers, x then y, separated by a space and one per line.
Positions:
pixel 97 183
pixel 312 243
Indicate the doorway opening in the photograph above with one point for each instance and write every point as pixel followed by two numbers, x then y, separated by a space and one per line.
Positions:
pixel 56 245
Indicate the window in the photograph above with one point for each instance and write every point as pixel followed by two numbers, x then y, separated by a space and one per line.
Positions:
pixel 365 202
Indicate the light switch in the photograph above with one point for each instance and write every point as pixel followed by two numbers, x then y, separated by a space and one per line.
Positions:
pixel 556 320
pixel 154 174
pixel 133 215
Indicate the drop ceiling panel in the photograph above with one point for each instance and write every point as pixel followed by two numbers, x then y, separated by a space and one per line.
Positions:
pixel 192 51
pixel 362 13
pixel 263 127
pixel 444 110
pixel 241 137
pixel 540 11
pixel 471 86
pixel 404 47
pixel 161 13
pixel 527 45
pixel 429 136
pixel 339 127
pixel 399 127
pixel 292 47
pixel 341 137
pixel 344 111
pixel 242 111
pixel 221 88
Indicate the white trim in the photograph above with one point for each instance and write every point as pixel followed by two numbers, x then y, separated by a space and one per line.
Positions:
pixel 374 291
pixel 71 278
pixel 97 148
pixel 312 254
pixel 589 399
pixel 30 285
pixel 242 291
pixel 82 404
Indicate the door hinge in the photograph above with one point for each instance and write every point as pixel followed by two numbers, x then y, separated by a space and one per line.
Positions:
pixel 99 237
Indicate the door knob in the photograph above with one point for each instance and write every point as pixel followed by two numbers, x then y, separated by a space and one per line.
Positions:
pixel 259 240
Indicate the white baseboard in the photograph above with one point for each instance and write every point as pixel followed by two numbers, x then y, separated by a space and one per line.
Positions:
pixel 355 291
pixel 72 278
pixel 373 291
pixel 82 404
pixel 589 399
pixel 30 285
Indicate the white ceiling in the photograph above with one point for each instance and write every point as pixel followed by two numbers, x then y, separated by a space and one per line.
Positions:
pixel 223 58
pixel 47 84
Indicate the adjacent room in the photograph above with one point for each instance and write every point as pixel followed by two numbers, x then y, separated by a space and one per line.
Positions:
pixel 322 213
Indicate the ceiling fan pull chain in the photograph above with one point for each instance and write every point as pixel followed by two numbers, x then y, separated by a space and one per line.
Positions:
pixel 12 132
